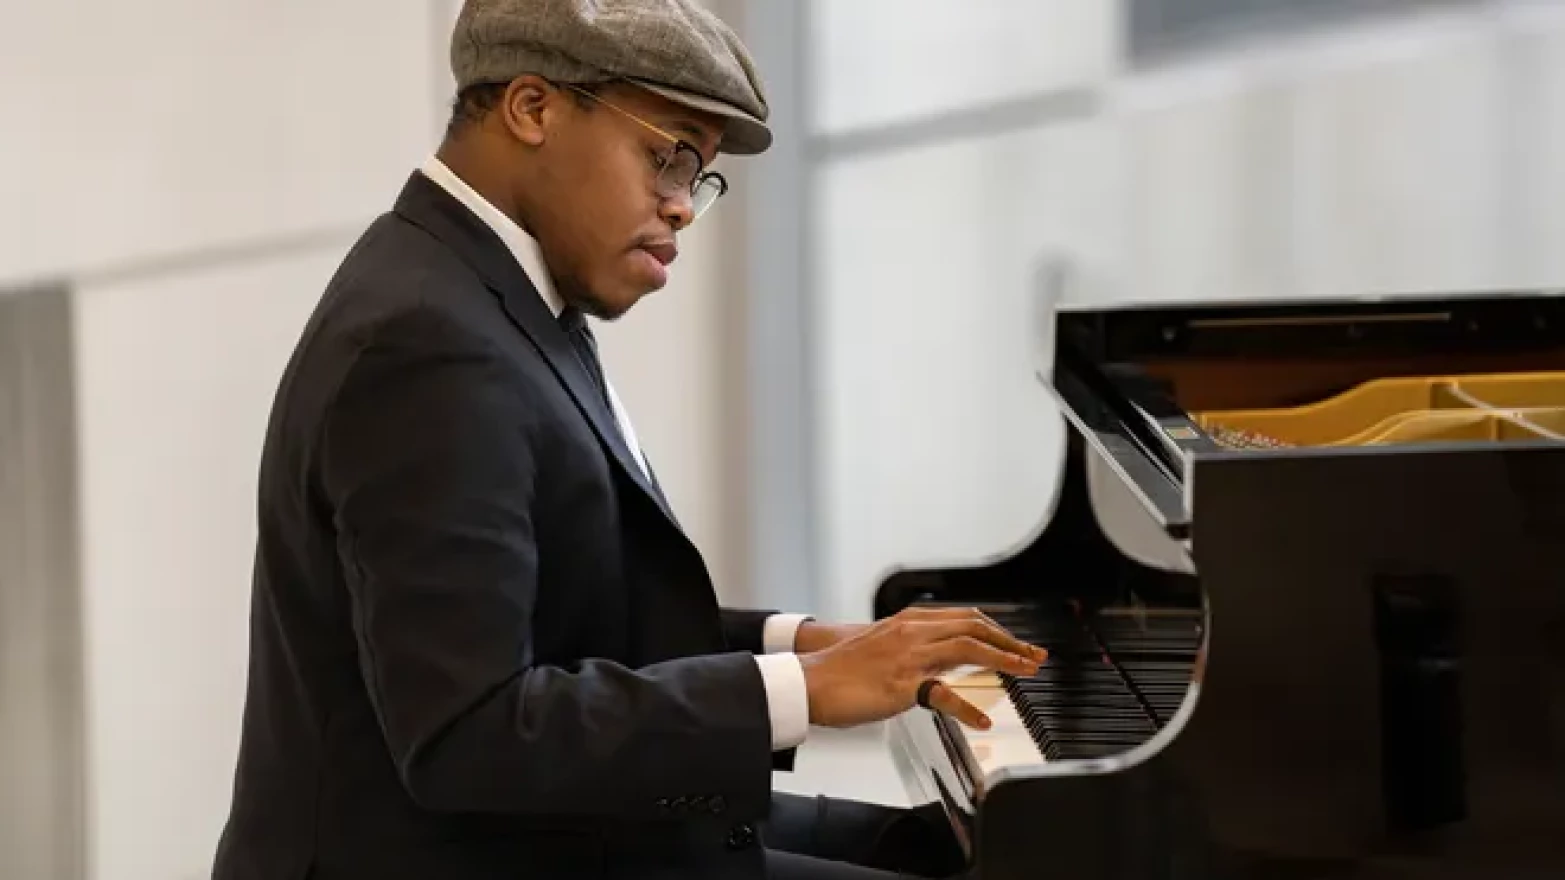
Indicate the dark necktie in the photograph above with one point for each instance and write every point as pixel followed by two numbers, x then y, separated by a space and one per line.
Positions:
pixel 580 334
pixel 574 323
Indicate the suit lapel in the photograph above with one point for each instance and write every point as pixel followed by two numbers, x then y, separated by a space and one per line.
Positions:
pixel 657 488
pixel 425 203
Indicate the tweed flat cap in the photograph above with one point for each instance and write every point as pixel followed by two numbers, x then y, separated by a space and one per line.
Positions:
pixel 676 48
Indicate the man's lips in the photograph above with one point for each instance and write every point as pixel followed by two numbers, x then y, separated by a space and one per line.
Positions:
pixel 665 252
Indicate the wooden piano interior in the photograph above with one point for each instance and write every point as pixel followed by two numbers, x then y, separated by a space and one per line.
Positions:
pixel 1277 404
pixel 1358 377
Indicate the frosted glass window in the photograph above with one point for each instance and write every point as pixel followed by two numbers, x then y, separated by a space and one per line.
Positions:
pixel 1388 175
pixel 875 62
pixel 1161 26
pixel 1406 162
pixel 1535 169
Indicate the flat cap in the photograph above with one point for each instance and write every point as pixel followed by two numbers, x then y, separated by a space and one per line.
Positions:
pixel 677 48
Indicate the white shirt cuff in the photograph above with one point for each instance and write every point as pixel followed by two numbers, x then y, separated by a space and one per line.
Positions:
pixel 787 699
pixel 779 631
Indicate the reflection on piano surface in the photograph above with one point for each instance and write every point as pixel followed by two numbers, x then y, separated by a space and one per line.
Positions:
pixel 1343 652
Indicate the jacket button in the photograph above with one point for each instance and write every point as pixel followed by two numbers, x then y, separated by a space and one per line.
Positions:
pixel 741 836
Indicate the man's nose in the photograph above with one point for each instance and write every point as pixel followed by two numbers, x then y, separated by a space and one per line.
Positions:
pixel 678 210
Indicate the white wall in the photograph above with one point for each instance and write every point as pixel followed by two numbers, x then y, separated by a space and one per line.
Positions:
pixel 1421 153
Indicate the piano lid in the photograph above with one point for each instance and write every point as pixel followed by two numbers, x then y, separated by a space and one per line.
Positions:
pixel 1384 326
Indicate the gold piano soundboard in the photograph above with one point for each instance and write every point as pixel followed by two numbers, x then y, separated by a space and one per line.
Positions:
pixel 1417 409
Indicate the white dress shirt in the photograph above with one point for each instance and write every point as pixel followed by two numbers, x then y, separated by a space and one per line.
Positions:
pixel 781 672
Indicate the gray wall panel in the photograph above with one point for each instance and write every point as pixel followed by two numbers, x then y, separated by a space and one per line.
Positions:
pixel 41 690
pixel 777 283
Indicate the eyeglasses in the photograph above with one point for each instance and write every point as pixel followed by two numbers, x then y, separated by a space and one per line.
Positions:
pixel 679 169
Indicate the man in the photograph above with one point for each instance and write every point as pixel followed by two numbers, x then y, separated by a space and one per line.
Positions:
pixel 481 645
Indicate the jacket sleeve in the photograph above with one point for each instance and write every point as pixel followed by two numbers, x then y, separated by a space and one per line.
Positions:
pixel 426 462
pixel 744 629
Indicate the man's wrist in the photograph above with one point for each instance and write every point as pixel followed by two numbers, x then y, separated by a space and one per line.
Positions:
pixel 780 633
pixel 816 636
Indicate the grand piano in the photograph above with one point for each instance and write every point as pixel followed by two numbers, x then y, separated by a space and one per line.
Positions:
pixel 1304 592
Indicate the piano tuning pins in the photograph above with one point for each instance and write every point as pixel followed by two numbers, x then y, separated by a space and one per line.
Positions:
pixel 1234 438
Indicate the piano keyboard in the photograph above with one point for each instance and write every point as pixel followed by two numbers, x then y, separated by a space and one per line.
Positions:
pixel 1111 682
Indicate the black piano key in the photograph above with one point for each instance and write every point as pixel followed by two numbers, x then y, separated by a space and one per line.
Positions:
pixel 1066 707
pixel 1065 736
pixel 1129 736
pixel 1069 691
pixel 1087 700
pixel 1081 708
pixel 1105 680
pixel 1103 715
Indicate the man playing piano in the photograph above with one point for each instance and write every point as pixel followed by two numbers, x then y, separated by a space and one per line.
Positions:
pixel 481 645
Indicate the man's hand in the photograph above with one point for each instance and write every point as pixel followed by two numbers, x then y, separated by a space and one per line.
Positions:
pixel 875 673
pixel 813 636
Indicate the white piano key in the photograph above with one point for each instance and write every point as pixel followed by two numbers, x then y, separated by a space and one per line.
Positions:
pixel 971 676
pixel 1007 743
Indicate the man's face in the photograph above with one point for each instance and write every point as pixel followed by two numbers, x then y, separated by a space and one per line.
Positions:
pixel 606 233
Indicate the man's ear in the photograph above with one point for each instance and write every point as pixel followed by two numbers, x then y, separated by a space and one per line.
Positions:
pixel 529 103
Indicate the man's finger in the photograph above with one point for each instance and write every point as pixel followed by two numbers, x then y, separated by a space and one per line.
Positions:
pixel 944 700
pixel 937 612
pixel 969 620
pixel 979 630
pixel 968 651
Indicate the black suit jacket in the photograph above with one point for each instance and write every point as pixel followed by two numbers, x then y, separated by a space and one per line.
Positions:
pixel 481 646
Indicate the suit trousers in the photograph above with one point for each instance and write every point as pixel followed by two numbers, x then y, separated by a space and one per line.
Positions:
pixel 821 838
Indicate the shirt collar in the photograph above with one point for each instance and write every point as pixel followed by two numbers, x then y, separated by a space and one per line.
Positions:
pixel 521 245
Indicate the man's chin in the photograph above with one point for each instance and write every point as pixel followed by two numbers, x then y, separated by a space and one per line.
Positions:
pixel 608 308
